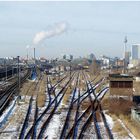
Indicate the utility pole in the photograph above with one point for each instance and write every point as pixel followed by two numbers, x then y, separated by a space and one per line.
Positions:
pixel 125 42
pixel 117 64
pixel 70 71
pixel 12 71
pixel 18 72
pixel 18 76
pixel 5 65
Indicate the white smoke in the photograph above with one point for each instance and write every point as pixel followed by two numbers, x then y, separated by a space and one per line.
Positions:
pixel 57 29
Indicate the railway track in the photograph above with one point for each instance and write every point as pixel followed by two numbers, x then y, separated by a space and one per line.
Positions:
pixel 108 130
pixel 87 93
pixel 81 110
pixel 93 114
pixel 76 125
pixel 7 95
pixel 53 101
pixel 57 102
pixel 28 114
pixel 89 115
pixel 25 124
pixel 72 131
pixel 102 94
pixel 66 124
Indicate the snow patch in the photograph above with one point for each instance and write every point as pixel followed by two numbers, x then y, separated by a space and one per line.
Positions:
pixel 53 128
pixel 109 121
pixel 7 113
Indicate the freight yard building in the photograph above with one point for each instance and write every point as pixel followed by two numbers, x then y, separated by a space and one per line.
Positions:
pixel 121 92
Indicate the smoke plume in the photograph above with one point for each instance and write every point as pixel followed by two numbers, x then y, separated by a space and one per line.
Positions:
pixel 57 29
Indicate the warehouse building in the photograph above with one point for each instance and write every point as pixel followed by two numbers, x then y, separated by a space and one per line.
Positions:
pixel 121 93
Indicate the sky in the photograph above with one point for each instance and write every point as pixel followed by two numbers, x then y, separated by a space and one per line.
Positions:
pixel 92 27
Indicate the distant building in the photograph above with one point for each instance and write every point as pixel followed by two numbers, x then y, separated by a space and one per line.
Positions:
pixel 135 54
pixel 64 56
pixel 60 68
pixel 71 57
pixel 105 62
pixel 1 61
pixel 31 62
pixel 42 59
pixel 68 57
pixel 119 63
pixel 91 57
pixel 134 63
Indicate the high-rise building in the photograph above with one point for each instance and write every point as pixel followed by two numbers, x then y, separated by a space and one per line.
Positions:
pixel 135 54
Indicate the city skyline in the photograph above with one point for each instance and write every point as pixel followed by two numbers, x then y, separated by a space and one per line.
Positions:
pixel 91 27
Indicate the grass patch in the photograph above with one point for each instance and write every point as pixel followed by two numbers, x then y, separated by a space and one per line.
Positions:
pixel 132 125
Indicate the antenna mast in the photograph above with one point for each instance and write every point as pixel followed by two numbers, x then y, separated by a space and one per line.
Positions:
pixel 125 42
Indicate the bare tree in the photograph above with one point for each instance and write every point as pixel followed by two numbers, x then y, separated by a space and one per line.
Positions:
pixel 94 67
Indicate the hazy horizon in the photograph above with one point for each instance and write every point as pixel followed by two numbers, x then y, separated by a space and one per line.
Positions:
pixel 77 28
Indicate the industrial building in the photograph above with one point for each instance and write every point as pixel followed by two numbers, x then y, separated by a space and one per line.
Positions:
pixel 121 92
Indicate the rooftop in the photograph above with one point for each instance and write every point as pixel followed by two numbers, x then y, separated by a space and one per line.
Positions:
pixel 120 77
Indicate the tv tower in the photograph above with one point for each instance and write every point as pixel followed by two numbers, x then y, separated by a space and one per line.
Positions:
pixel 125 47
